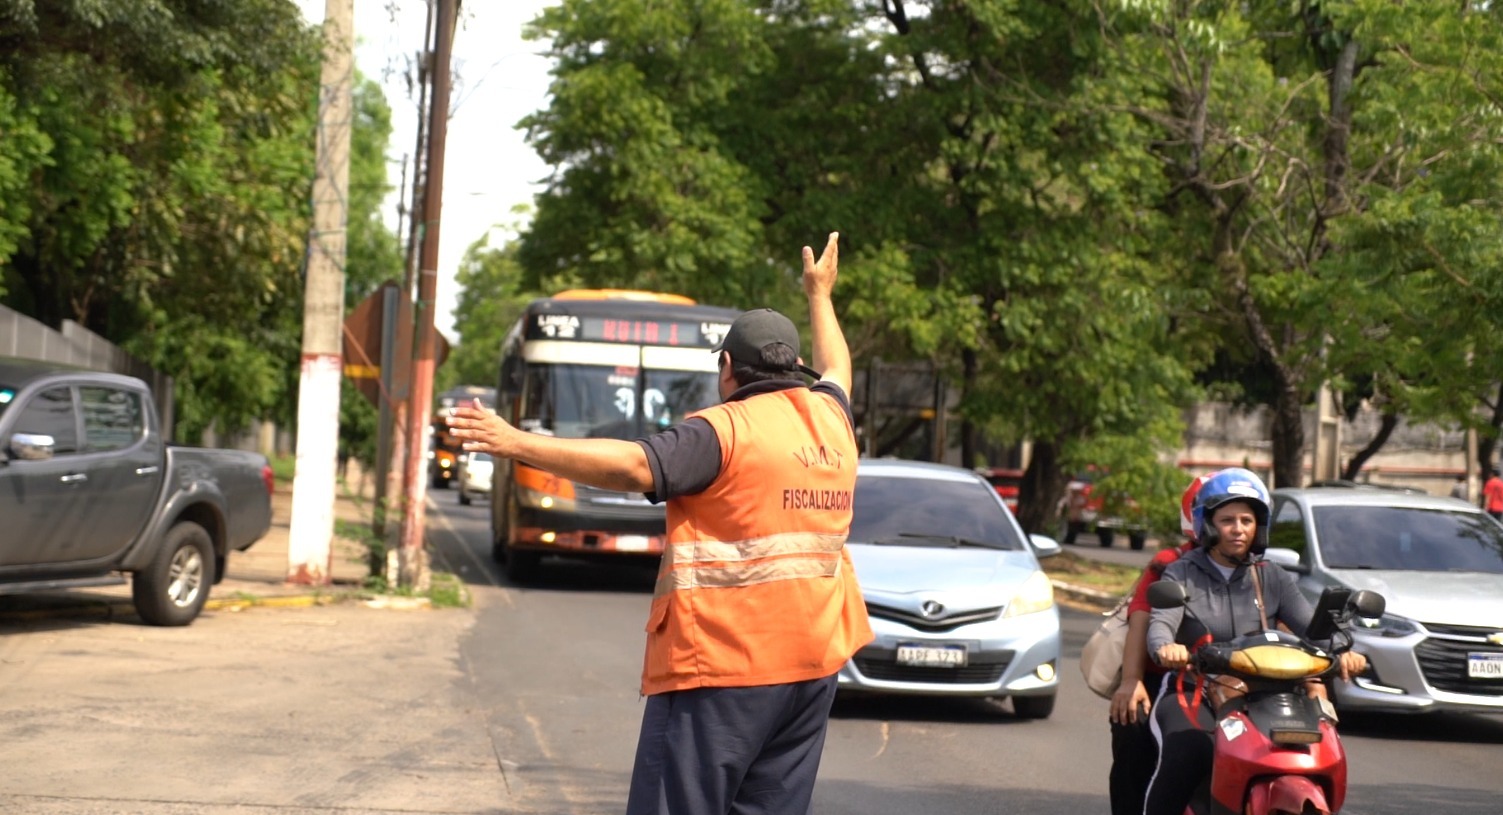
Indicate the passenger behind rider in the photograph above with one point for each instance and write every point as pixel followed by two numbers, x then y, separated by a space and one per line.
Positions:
pixel 1134 750
pixel 1230 518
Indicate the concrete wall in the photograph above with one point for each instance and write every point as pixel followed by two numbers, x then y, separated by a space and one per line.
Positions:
pixel 1427 457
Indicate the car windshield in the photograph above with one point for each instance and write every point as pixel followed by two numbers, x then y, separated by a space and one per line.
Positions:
pixel 1408 539
pixel 927 512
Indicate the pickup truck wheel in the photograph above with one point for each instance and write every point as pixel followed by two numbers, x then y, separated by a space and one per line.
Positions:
pixel 464 497
pixel 173 588
pixel 1137 540
pixel 1105 536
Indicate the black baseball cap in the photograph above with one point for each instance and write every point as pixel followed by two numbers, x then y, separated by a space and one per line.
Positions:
pixel 758 329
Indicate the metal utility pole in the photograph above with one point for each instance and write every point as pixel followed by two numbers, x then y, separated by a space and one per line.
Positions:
pixel 412 559
pixel 309 556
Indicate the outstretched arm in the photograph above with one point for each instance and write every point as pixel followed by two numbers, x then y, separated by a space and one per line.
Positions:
pixel 609 464
pixel 831 355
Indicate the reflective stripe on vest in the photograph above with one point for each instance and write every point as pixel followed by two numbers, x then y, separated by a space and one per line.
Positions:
pixel 719 564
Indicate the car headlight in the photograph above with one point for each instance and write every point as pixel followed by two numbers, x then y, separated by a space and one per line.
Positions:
pixel 1035 595
pixel 1389 625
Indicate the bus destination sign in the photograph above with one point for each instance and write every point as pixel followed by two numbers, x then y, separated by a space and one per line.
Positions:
pixel 635 331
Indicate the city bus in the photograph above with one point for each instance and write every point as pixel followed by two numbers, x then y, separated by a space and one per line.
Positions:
pixel 596 363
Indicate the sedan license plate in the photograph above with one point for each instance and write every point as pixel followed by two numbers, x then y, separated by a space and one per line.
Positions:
pixel 631 543
pixel 1484 666
pixel 932 656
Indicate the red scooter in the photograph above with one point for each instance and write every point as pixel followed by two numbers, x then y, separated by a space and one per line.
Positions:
pixel 1276 748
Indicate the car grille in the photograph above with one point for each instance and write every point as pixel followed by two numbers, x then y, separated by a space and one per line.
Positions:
pixel 946 621
pixel 881 664
pixel 1442 658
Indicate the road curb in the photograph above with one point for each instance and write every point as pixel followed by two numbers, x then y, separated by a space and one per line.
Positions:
pixel 1093 599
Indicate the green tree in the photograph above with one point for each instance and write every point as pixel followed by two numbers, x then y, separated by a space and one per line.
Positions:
pixel 1303 139
pixel 491 298
pixel 165 204
pixel 969 155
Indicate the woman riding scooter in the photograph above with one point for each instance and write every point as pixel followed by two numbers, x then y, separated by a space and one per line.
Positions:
pixel 1231 517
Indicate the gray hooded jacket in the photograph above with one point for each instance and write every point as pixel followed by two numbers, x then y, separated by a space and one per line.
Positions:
pixel 1227 607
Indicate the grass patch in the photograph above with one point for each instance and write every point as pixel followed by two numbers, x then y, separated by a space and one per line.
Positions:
pixel 445 590
pixel 283 467
pixel 1112 578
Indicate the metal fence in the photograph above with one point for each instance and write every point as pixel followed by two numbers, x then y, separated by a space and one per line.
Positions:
pixel 21 336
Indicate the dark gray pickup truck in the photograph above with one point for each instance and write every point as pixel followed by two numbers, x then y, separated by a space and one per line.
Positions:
pixel 89 492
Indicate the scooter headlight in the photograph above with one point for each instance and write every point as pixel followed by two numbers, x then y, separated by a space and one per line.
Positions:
pixel 1278 662
pixel 1388 625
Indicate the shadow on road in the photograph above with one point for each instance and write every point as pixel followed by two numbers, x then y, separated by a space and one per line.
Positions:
pixel 1456 728
pixel 903 708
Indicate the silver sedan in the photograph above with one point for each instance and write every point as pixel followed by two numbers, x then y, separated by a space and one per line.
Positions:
pixel 954 590
pixel 1438 562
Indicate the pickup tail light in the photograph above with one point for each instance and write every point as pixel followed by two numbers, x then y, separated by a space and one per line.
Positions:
pixel 269 479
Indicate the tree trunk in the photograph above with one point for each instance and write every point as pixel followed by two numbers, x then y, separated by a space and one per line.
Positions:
pixel 1042 488
pixel 968 365
pixel 1385 430
pixel 1288 433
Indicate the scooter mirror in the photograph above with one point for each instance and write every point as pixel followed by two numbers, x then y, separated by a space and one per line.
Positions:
pixel 1167 594
pixel 1368 604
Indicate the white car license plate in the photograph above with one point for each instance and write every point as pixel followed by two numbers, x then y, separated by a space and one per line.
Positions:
pixel 932 656
pixel 1484 666
pixel 631 543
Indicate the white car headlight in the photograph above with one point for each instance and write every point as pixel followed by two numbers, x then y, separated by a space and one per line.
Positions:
pixel 1035 595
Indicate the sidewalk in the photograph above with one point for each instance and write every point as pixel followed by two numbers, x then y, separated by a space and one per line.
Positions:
pixel 262 569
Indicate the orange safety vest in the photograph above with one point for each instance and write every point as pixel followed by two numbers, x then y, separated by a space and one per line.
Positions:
pixel 755 586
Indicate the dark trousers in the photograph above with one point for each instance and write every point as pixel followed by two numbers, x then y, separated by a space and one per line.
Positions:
pixel 1134 755
pixel 737 751
pixel 1185 751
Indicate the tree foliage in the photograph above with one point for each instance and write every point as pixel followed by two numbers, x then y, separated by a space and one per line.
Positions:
pixel 990 222
pixel 156 162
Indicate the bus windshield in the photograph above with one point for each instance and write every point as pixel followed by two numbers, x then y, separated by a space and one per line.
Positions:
pixel 598 401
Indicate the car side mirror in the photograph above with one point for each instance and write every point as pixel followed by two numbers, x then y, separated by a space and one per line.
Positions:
pixel 1167 594
pixel 1044 546
pixel 33 446
pixel 1286 559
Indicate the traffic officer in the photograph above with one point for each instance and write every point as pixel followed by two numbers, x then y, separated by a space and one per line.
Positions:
pixel 756 606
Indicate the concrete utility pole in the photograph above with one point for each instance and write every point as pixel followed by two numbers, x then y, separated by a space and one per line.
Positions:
pixel 395 462
pixel 412 559
pixel 309 557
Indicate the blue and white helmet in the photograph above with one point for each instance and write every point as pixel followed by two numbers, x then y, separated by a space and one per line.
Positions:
pixel 1231 484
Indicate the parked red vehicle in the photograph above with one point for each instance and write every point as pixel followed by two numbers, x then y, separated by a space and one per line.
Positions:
pixel 1276 751
pixel 1083 510
pixel 1006 481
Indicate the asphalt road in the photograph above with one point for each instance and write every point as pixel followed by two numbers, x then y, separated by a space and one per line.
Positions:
pixel 562 657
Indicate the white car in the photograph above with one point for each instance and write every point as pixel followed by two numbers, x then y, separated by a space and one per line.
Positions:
pixel 475 471
pixel 953 588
